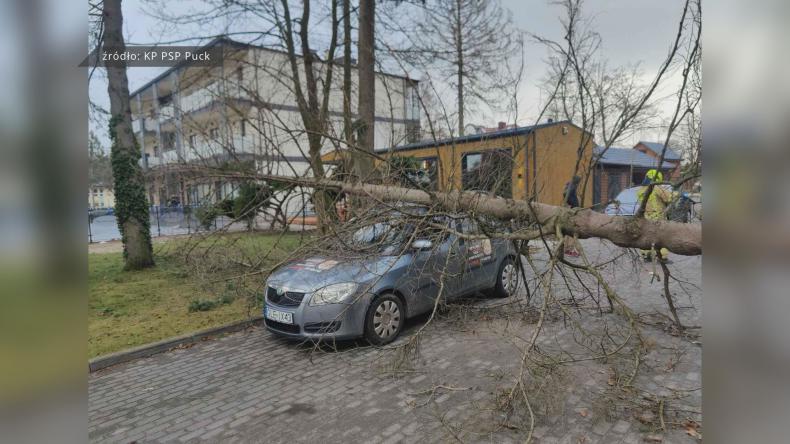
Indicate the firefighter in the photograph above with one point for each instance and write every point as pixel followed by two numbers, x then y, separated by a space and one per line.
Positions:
pixel 656 207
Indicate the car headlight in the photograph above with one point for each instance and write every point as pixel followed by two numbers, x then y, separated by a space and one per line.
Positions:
pixel 333 294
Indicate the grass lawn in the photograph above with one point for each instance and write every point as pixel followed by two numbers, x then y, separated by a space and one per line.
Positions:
pixel 131 308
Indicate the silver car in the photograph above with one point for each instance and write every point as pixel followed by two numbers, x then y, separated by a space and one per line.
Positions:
pixel 371 296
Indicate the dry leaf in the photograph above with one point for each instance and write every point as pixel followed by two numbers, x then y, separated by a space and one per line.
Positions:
pixel 654 438
pixel 691 431
pixel 646 417
pixel 583 412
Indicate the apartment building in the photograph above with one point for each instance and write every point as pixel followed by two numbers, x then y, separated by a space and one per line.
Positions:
pixel 100 195
pixel 244 113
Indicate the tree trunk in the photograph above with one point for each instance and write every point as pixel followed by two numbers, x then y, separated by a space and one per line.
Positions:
pixel 131 205
pixel 679 238
pixel 363 163
pixel 348 129
pixel 459 50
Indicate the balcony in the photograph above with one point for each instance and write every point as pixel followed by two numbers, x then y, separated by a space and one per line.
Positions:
pixel 152 161
pixel 203 97
pixel 150 125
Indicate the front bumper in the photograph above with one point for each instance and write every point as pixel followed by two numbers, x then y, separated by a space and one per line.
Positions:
pixel 324 322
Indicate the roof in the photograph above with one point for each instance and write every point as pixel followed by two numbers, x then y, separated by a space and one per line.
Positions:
pixel 628 156
pixel 235 43
pixel 509 132
pixel 657 147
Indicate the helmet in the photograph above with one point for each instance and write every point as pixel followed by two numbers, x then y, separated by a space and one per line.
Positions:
pixel 655 176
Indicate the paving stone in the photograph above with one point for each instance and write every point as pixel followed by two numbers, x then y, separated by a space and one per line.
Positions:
pixel 252 386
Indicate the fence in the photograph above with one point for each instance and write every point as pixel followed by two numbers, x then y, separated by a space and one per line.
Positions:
pixel 165 221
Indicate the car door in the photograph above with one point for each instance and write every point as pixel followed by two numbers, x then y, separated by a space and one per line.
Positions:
pixel 477 258
pixel 437 269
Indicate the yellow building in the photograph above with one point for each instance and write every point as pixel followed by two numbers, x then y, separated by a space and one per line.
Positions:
pixel 542 158
pixel 101 196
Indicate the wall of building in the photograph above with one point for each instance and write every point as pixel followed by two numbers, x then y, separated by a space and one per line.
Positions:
pixel 556 150
pixel 259 87
pixel 674 174
pixel 100 196
pixel 554 161
pixel 210 115
pixel 611 179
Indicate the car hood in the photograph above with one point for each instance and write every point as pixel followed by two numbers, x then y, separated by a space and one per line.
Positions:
pixel 308 275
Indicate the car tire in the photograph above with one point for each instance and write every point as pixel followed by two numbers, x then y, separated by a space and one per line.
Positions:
pixel 384 319
pixel 507 280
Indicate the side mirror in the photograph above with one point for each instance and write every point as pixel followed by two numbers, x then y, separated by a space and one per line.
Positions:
pixel 422 245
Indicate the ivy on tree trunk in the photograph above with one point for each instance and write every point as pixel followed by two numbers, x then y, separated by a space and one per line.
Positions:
pixel 131 205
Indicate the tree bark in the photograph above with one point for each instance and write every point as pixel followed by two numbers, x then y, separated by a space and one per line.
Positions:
pixel 459 50
pixel 363 163
pixel 348 129
pixel 679 238
pixel 131 205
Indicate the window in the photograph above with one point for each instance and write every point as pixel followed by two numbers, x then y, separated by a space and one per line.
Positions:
pixel 192 194
pixel 168 141
pixel 213 134
pixel 428 172
pixel 412 131
pixel 468 226
pixel 191 140
pixel 166 100
pixel 490 170
pixel 411 100
pixel 239 74
pixel 218 190
pixel 614 184
pixel 243 128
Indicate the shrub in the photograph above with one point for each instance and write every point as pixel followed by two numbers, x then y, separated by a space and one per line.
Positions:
pixel 252 196
pixel 225 207
pixel 209 304
pixel 202 305
pixel 206 216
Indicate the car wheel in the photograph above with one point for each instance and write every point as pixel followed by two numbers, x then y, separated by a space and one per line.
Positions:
pixel 507 279
pixel 384 319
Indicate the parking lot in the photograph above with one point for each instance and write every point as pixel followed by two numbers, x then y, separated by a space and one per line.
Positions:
pixel 253 387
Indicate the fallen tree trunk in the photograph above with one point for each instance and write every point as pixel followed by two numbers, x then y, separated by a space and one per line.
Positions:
pixel 632 232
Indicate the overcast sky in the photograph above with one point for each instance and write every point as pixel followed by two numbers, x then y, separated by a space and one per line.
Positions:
pixel 632 31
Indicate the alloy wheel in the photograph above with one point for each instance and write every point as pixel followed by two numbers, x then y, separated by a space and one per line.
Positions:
pixel 386 319
pixel 509 278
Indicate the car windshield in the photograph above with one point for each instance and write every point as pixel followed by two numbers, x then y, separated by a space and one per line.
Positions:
pixel 383 236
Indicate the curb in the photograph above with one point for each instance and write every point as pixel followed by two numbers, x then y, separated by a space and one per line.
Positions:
pixel 164 345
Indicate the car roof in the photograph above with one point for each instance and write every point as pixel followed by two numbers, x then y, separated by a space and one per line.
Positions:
pixel 631 192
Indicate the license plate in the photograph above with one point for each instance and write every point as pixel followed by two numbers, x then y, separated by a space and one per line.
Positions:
pixel 279 316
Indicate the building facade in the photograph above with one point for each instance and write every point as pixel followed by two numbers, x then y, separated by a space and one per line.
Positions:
pixel 244 114
pixel 100 196
pixel 654 149
pixel 621 168
pixel 527 162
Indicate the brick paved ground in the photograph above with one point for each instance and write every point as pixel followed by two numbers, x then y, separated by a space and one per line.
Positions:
pixel 253 387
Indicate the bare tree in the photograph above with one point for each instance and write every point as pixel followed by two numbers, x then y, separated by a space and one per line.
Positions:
pixel 131 205
pixel 314 110
pixel 467 41
pixel 348 128
pixel 363 162
pixel 561 289
pixel 99 165
pixel 610 103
